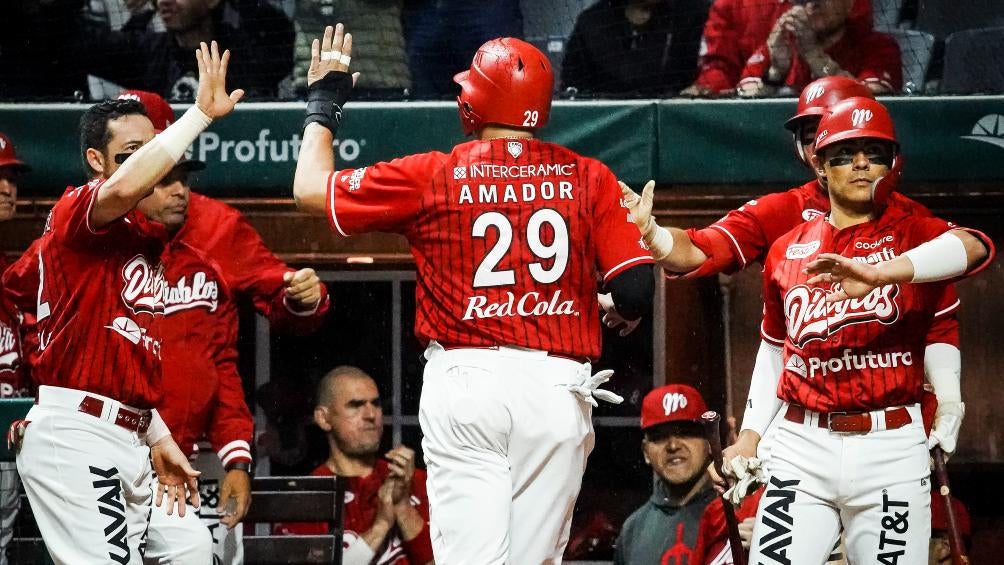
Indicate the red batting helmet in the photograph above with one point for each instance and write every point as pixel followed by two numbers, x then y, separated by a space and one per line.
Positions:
pixel 509 83
pixel 859 118
pixel 822 93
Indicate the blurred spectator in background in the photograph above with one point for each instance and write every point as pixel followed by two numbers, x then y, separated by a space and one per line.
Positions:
pixel 819 38
pixel 443 35
pixel 684 508
pixel 379 54
pixel 736 29
pixel 642 47
pixel 14 379
pixel 941 550
pixel 386 506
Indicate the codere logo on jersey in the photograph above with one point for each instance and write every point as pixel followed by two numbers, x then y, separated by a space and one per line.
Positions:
pixel 811 317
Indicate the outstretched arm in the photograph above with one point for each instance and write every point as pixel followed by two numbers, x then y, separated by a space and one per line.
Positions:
pixel 328 87
pixel 670 247
pixel 135 179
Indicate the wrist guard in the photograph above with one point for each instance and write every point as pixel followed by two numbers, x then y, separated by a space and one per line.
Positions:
pixel 325 99
pixel 239 466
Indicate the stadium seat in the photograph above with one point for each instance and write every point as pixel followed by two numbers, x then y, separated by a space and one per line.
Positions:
pixel 886 14
pixel 915 51
pixel 974 62
pixel 945 17
pixel 295 499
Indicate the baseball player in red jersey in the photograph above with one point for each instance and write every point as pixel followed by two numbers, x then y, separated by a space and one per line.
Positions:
pixel 744 235
pixel 845 318
pixel 509 236
pixel 212 257
pixel 13 372
pixel 98 299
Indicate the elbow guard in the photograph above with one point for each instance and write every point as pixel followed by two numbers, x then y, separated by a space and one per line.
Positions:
pixel 632 291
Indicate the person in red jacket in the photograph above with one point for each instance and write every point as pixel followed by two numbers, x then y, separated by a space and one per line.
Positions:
pixel 736 29
pixel 386 518
pixel 212 258
pixel 819 39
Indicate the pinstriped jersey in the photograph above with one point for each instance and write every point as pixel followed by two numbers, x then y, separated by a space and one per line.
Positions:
pixel 508 235
pixel 859 354
pixel 97 296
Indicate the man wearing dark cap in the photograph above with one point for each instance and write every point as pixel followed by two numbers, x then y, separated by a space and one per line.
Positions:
pixel 666 528
pixel 213 257
pixel 13 375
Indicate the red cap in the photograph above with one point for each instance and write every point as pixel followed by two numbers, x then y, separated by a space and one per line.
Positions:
pixel 162 115
pixel 509 83
pixel 157 109
pixel 672 403
pixel 939 516
pixel 8 158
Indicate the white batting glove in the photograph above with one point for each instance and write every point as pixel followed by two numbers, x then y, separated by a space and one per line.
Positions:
pixel 947 422
pixel 748 473
pixel 589 389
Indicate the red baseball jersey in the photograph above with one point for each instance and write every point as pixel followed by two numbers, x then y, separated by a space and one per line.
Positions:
pixel 744 235
pixel 361 501
pixel 860 354
pixel 97 296
pixel 508 236
pixel 13 377
pixel 215 257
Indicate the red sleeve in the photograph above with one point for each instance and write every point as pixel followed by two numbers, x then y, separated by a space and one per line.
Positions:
pixel 382 197
pixel 739 238
pixel 722 59
pixel 877 59
pixel 713 546
pixel 301 529
pixel 757 65
pixel 945 326
pixel 71 216
pixel 419 549
pixel 618 242
pixel 773 329
pixel 231 427
pixel 251 270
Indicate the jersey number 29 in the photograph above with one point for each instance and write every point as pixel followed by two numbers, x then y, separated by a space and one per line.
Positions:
pixel 486 275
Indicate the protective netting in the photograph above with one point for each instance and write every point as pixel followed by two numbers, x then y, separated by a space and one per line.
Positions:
pixel 90 49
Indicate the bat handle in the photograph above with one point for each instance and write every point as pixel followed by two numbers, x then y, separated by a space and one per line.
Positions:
pixel 959 556
pixel 712 431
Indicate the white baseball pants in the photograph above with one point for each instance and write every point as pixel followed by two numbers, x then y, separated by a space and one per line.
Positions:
pixel 876 484
pixel 88 480
pixel 506 446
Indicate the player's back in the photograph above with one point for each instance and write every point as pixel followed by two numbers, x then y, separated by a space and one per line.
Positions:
pixel 508 236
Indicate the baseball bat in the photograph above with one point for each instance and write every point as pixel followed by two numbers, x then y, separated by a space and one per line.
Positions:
pixel 959 556
pixel 712 431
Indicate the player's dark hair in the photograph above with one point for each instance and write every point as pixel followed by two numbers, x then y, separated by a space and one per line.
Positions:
pixel 94 130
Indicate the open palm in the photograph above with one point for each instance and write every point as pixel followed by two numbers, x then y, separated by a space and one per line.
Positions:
pixel 212 97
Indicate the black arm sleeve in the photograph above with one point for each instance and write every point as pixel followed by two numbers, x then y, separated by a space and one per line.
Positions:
pixel 632 291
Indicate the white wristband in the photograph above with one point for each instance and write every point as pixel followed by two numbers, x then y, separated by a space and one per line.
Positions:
pixel 157 430
pixel 659 240
pixel 944 257
pixel 180 135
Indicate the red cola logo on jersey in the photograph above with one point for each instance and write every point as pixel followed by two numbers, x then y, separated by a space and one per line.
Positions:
pixel 201 292
pixel 9 354
pixel 530 304
pixel 145 286
pixel 810 317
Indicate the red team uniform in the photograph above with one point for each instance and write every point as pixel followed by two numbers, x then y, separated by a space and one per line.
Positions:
pixel 13 375
pixel 361 502
pixel 508 236
pixel 858 355
pixel 490 225
pixel 97 295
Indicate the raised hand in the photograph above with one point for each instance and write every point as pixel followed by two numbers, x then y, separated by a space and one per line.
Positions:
pixel 331 53
pixel 640 206
pixel 856 278
pixel 212 97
